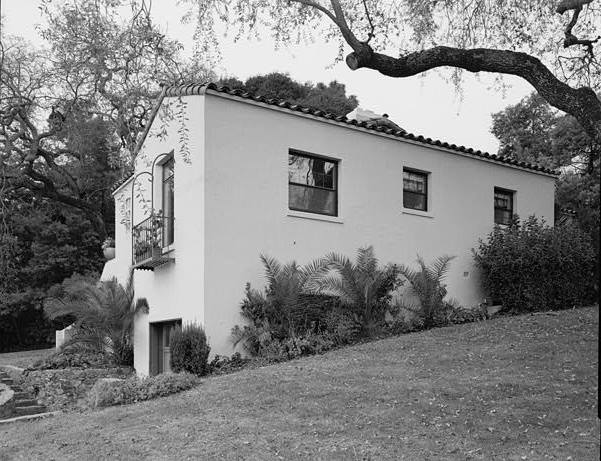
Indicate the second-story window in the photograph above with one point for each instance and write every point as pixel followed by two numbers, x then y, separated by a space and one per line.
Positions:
pixel 415 189
pixel 168 202
pixel 503 206
pixel 312 184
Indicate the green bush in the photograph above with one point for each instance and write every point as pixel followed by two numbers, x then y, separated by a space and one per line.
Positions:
pixel 309 309
pixel 341 326
pixel 363 287
pixel 73 358
pixel 222 364
pixel 190 350
pixel 308 343
pixel 107 392
pixel 427 285
pixel 531 266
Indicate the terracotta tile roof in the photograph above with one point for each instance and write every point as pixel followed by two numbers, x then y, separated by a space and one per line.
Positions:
pixel 201 88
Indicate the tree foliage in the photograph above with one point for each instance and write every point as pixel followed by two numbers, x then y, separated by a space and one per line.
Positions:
pixel 330 98
pixel 532 131
pixel 71 113
pixel 41 245
pixel 549 44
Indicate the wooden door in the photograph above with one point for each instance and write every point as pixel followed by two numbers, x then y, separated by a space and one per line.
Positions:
pixel 160 342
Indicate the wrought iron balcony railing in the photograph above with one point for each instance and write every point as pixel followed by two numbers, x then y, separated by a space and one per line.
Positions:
pixel 151 240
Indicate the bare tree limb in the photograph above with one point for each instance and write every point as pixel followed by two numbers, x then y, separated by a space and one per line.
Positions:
pixel 570 38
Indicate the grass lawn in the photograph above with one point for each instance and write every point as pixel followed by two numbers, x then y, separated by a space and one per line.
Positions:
pixel 513 388
pixel 25 358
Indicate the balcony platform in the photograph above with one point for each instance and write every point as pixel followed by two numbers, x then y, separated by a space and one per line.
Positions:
pixel 149 264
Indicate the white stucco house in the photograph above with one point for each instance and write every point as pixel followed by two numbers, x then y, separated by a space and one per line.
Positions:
pixel 235 175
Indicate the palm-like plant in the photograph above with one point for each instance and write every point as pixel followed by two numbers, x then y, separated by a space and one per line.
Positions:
pixel 427 285
pixel 104 315
pixel 282 311
pixel 362 286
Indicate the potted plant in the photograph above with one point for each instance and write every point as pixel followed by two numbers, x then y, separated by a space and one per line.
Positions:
pixel 108 248
pixel 157 234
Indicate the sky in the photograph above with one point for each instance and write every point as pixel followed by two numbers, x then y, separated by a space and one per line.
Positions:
pixel 427 105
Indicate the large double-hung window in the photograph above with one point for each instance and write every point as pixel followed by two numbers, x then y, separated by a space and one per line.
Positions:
pixel 312 183
pixel 415 189
pixel 503 206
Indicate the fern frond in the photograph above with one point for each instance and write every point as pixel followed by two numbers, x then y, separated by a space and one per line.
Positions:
pixel 440 267
pixel 272 269
pixel 366 260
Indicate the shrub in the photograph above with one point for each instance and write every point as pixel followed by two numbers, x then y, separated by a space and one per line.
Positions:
pixel 73 358
pixel 342 326
pixel 451 314
pixel 311 308
pixel 285 309
pixel 427 285
pixel 190 350
pixel 363 287
pixel 222 364
pixel 308 343
pixel 531 266
pixel 107 392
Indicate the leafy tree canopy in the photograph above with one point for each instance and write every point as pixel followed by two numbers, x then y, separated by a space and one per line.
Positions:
pixel 41 244
pixel 549 44
pixel 532 131
pixel 329 98
pixel 73 111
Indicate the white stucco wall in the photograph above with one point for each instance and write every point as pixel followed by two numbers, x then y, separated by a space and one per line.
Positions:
pixel 174 290
pixel 247 203
pixel 231 204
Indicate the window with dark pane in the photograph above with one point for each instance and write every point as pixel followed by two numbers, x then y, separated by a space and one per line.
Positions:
pixel 503 206
pixel 415 190
pixel 312 184
pixel 168 202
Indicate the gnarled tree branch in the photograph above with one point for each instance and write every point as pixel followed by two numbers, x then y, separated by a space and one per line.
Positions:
pixel 582 103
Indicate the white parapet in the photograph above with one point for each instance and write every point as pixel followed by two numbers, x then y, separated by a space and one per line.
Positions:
pixel 63 335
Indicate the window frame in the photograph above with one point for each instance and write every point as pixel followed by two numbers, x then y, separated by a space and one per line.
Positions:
pixel 310 155
pixel 511 194
pixel 426 175
pixel 168 221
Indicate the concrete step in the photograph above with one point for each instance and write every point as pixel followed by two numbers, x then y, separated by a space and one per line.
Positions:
pixel 31 410
pixel 7 381
pixel 25 402
pixel 21 395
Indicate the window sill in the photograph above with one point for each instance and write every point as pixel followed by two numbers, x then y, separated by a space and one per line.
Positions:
pixel 314 216
pixel 423 214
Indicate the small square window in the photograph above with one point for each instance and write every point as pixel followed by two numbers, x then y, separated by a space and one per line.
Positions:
pixel 312 184
pixel 415 189
pixel 503 206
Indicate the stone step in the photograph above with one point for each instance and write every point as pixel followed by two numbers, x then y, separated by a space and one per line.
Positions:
pixel 7 381
pixel 25 402
pixel 21 395
pixel 31 410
